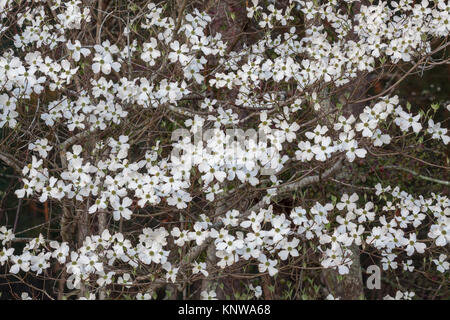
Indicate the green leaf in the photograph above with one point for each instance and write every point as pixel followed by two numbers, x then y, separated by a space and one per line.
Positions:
pixel 435 106
pixel 334 199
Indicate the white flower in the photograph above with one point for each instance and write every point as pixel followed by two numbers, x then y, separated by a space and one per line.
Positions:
pixel 437 131
pixel 77 50
pixel 317 134
pixel 400 295
pixel 6 235
pixel 41 146
pixel 182 236
pixel 256 290
pixel 21 262
pixel 125 280
pixel 171 271
pixel 267 265
pixel 5 254
pixel 440 232
pixel 344 123
pixel 407 120
pixel 348 202
pixel 178 53
pixel 289 130
pixel 149 52
pixel 121 209
pixel 289 248
pixel 199 267
pixel 367 125
pixel 104 64
pixel 441 264
pixel 413 245
pixel 208 295
pixel 91 296
pixel 105 278
pixel 25 296
pixel 379 138
pixel 145 296
pixel 323 150
pixel 198 235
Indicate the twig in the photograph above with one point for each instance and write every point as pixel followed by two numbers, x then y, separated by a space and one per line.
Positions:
pixel 19 206
pixel 446 183
pixel 10 162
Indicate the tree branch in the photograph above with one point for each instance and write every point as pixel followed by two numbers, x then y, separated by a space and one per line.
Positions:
pixel 288 189
pixel 445 183
pixel 10 162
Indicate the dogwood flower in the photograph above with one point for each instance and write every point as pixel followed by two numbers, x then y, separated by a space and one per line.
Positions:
pixel 442 264
pixel 149 52
pixel 413 245
pixel 267 265
pixel 407 120
pixel 208 295
pixel 104 64
pixel 178 53
pixel 77 50
pixel 121 209
pixel 199 267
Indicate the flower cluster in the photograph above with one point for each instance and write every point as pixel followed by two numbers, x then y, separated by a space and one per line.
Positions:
pixel 270 113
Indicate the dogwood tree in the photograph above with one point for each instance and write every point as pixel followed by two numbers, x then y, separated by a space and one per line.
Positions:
pixel 184 147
